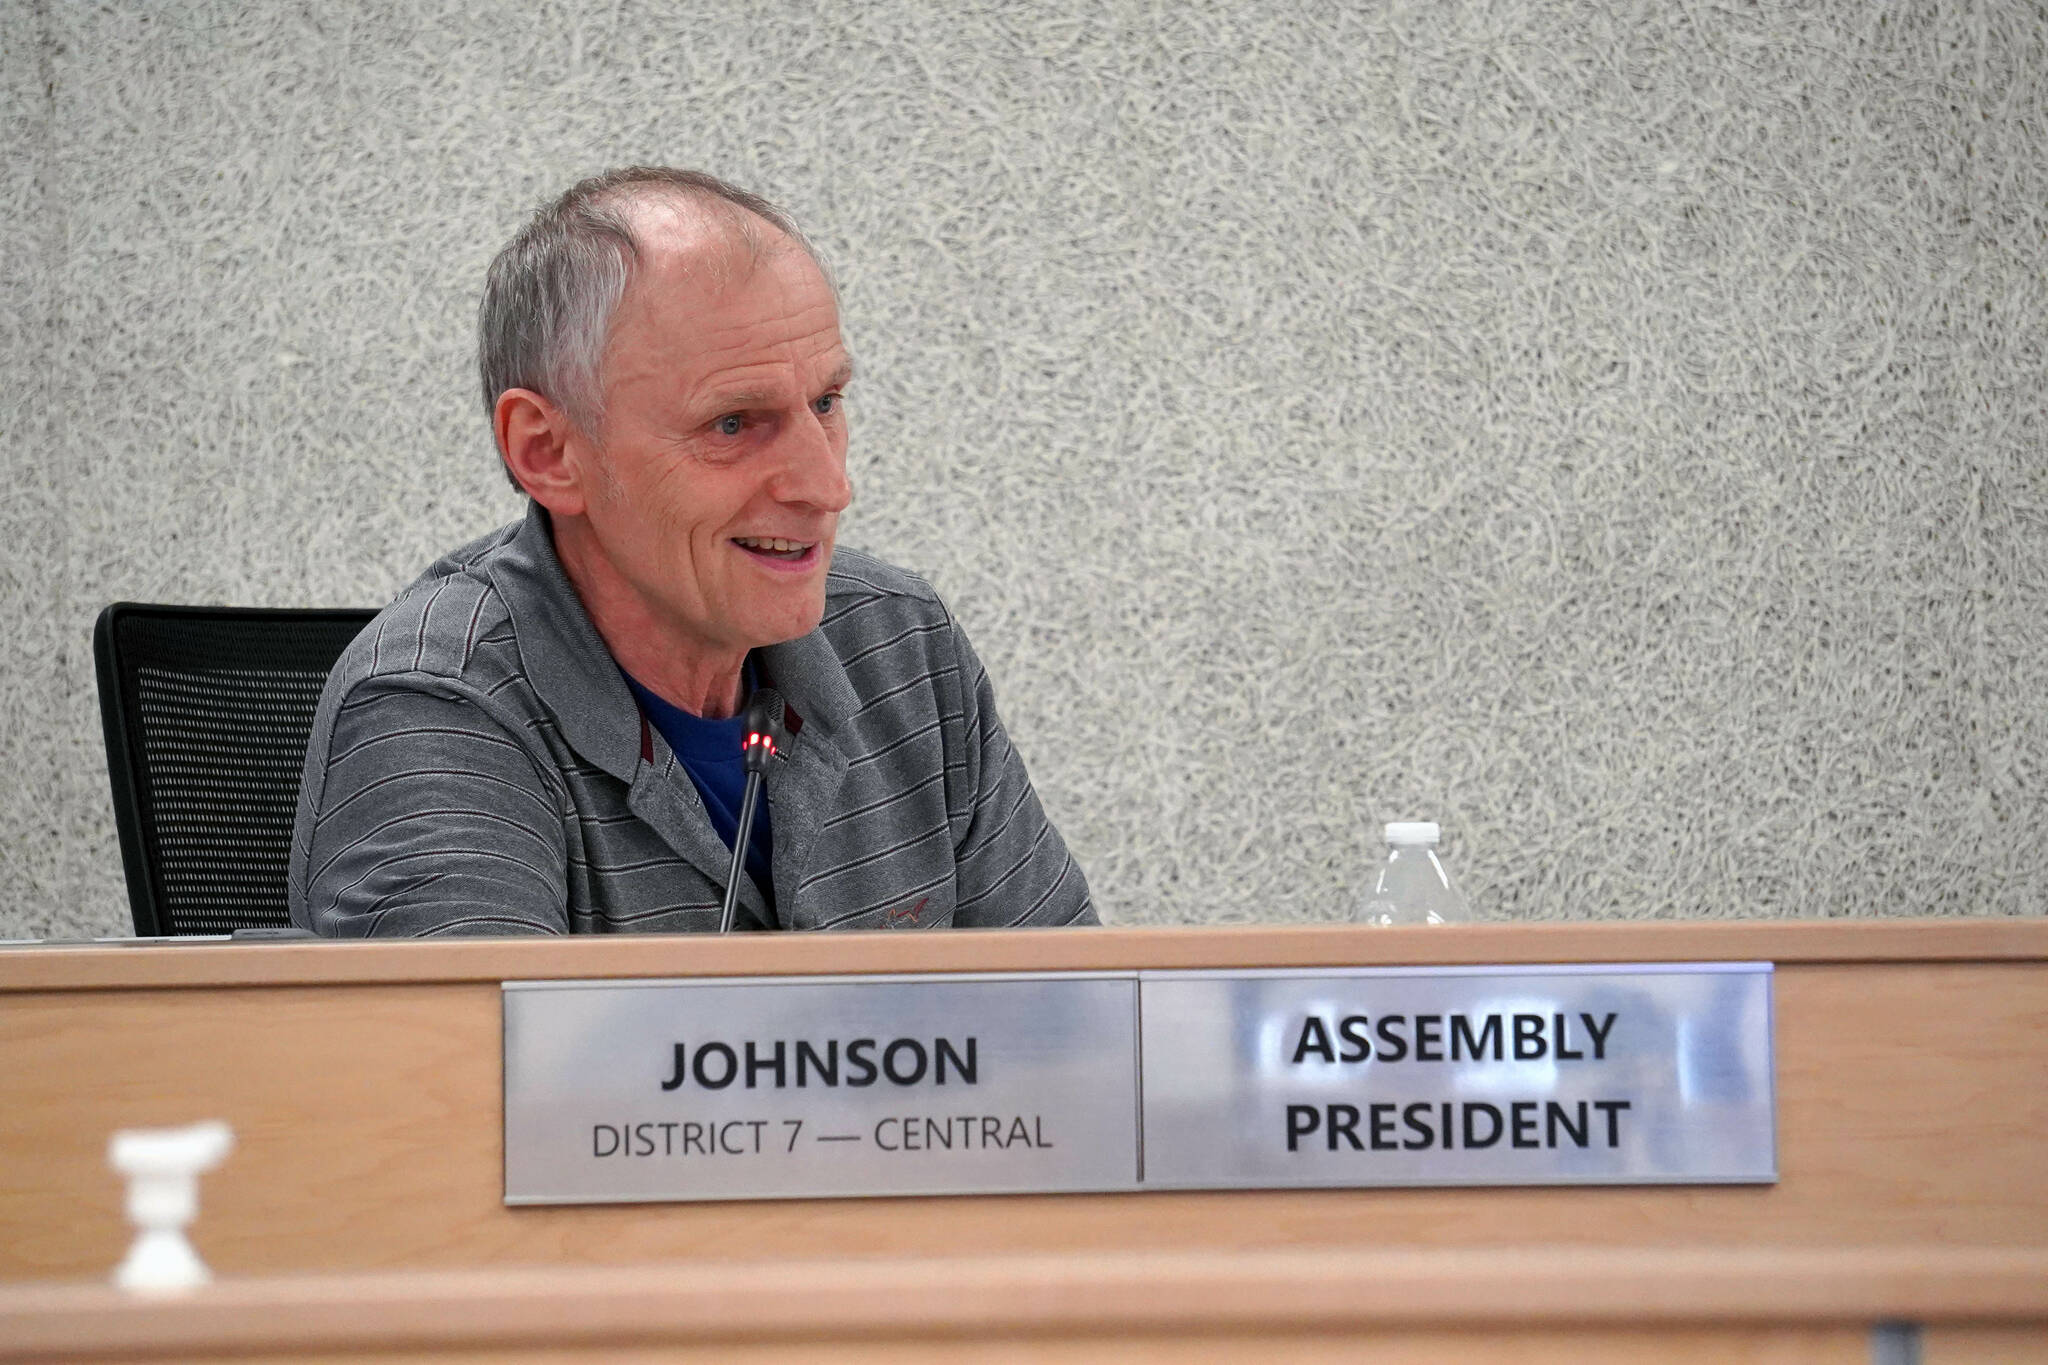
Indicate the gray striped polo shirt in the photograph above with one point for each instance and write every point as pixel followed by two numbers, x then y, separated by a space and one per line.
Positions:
pixel 477 766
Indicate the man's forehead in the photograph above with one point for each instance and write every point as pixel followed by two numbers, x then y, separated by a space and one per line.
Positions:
pixel 784 297
pixel 766 383
pixel 668 225
pixel 678 236
pixel 728 334
pixel 738 368
pixel 697 293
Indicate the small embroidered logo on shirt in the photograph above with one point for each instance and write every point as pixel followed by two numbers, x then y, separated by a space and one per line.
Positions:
pixel 907 914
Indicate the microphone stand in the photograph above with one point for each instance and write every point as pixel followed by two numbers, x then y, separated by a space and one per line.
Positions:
pixel 739 851
pixel 765 729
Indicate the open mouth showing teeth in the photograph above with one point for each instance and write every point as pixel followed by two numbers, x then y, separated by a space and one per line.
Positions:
pixel 773 547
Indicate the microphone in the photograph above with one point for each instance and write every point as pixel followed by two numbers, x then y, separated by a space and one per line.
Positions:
pixel 767 717
pixel 767 728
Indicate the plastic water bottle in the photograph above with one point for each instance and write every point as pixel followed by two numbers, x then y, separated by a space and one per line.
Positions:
pixel 1412 886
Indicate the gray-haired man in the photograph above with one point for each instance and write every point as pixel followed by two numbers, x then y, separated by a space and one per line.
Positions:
pixel 540 735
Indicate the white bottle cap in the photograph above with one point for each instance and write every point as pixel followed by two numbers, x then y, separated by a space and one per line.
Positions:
pixel 1408 833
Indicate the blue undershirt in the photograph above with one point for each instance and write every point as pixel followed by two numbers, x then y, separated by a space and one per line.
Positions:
pixel 710 752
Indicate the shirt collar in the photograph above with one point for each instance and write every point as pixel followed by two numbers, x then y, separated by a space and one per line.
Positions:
pixel 573 673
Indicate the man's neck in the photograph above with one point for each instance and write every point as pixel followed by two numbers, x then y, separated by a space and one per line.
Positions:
pixel 679 669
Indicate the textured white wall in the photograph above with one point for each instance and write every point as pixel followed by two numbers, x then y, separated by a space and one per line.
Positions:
pixel 1612 427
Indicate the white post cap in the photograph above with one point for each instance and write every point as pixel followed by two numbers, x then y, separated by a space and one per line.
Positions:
pixel 1409 833
pixel 170 1151
pixel 163 1166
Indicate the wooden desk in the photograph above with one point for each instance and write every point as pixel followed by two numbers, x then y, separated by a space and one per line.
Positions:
pixel 1515 1307
pixel 363 1083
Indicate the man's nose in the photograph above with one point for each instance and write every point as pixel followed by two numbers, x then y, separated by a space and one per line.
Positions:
pixel 813 468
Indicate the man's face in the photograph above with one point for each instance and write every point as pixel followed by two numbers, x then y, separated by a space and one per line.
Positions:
pixel 723 440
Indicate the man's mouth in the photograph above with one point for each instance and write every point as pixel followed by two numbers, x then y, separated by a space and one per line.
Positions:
pixel 772 547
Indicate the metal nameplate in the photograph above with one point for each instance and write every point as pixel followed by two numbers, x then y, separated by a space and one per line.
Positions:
pixel 1593 1075
pixel 785 1088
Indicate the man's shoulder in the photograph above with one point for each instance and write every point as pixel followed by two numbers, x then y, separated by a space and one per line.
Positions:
pixel 445 624
pixel 888 628
pixel 872 606
pixel 857 576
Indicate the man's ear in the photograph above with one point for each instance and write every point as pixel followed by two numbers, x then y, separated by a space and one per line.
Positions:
pixel 546 454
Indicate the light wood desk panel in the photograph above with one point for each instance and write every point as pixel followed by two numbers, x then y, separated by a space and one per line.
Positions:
pixel 1522 1305
pixel 363 1083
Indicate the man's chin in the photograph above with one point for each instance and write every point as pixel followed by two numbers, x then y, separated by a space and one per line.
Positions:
pixel 790 623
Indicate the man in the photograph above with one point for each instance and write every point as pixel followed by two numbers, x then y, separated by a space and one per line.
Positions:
pixel 541 735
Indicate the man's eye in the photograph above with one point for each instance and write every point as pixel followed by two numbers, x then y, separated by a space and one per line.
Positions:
pixel 829 404
pixel 732 424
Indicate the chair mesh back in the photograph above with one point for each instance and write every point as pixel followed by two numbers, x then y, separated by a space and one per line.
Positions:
pixel 215 709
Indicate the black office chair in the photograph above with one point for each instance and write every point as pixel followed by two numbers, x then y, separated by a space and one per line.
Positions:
pixel 207 711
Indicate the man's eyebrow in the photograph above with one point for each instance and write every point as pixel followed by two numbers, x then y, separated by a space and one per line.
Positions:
pixel 739 400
